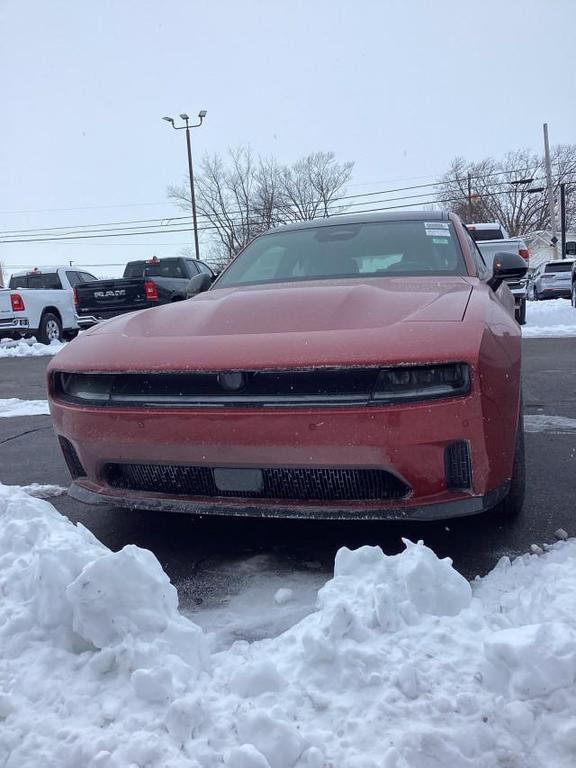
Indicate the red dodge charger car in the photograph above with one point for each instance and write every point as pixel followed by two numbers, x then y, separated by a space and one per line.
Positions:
pixel 353 367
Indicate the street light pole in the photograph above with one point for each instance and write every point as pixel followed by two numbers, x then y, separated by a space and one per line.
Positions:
pixel 192 195
pixel 187 127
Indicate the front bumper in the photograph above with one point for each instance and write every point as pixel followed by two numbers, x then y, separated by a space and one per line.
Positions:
pixel 409 441
pixel 89 493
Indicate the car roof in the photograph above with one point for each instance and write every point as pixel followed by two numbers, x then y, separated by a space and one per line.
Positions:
pixel 48 270
pixel 364 218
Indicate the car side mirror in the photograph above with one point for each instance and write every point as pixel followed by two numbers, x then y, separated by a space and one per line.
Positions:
pixel 507 266
pixel 198 284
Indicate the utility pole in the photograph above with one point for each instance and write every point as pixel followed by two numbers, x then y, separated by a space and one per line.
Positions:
pixel 187 127
pixel 469 198
pixel 554 238
pixel 563 218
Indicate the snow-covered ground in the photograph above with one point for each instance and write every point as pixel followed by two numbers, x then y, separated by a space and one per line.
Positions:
pixel 554 317
pixel 402 664
pixel 28 348
pixel 13 407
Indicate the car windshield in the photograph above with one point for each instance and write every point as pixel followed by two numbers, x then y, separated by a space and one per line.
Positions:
pixel 350 250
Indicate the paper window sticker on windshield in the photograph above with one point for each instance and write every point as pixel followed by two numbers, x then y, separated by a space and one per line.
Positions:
pixel 437 229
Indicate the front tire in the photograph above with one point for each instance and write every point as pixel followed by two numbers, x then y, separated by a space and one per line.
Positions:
pixel 50 329
pixel 511 506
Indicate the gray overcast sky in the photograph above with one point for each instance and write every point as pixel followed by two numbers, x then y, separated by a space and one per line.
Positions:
pixel 398 87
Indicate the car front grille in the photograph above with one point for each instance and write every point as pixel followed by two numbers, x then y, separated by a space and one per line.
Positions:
pixel 299 484
pixel 322 386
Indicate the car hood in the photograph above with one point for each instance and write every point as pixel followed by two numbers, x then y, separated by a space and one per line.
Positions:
pixel 296 323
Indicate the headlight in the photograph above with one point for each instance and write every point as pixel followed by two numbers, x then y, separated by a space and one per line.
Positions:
pixel 93 388
pixel 421 382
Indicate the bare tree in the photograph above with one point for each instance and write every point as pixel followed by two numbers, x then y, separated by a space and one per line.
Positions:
pixel 244 195
pixel 486 190
pixel 1 275
pixel 310 185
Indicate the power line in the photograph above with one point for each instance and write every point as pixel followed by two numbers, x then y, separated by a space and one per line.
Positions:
pixel 129 231
pixel 211 227
pixel 116 228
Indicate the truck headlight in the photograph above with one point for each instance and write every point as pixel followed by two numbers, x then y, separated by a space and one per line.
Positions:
pixel 421 382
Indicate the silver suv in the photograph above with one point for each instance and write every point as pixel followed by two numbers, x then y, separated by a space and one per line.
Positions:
pixel 552 280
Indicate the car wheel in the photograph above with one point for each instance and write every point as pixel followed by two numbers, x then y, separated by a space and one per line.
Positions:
pixel 512 504
pixel 50 329
pixel 521 312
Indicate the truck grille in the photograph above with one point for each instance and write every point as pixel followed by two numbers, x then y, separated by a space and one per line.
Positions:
pixel 300 484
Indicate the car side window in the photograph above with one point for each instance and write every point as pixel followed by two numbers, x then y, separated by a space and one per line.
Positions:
pixel 204 268
pixel 45 281
pixel 73 278
pixel 481 266
pixel 193 266
pixel 86 277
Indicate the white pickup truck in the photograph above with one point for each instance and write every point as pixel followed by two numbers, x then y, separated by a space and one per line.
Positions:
pixel 491 238
pixel 41 303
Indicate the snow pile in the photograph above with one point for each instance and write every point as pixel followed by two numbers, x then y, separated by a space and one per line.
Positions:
pixel 28 348
pixel 404 664
pixel 553 317
pixel 13 407
pixel 41 491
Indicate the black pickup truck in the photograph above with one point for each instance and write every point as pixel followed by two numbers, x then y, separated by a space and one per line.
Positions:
pixel 144 284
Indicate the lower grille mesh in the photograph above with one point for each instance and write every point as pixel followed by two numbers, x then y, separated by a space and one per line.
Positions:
pixel 301 484
pixel 71 458
pixel 458 466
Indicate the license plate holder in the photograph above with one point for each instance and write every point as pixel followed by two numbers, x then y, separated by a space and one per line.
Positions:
pixel 239 480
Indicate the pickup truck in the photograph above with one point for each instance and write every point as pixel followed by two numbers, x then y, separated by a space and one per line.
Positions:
pixel 144 284
pixel 489 248
pixel 41 303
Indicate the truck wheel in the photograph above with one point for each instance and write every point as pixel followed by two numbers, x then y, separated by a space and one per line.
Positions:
pixel 521 312
pixel 512 504
pixel 50 329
